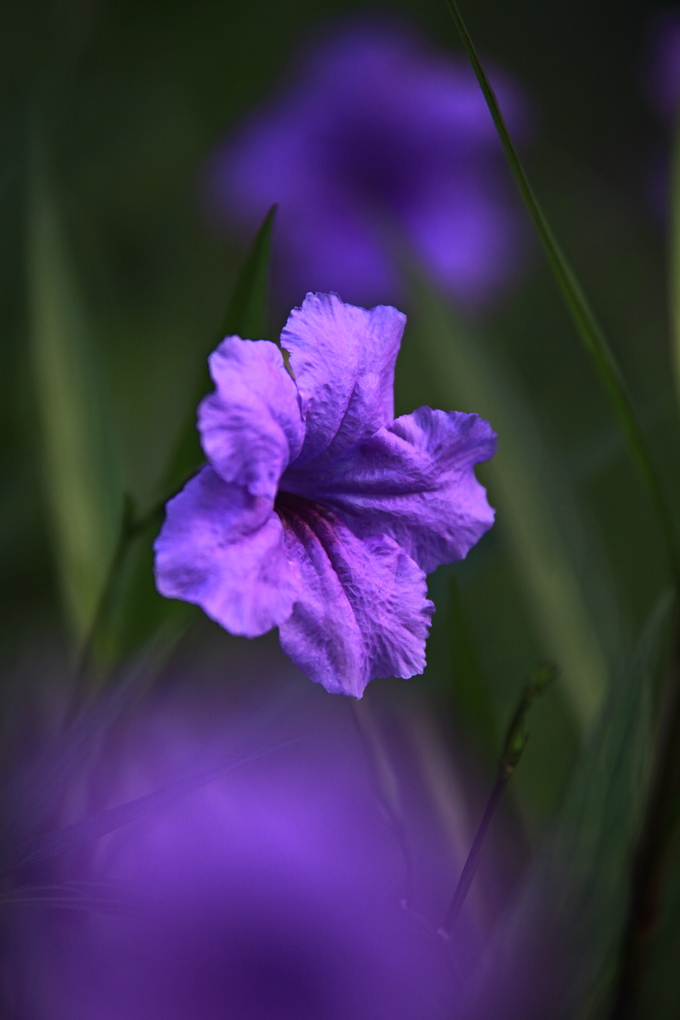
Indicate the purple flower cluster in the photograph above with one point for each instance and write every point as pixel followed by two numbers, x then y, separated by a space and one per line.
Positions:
pixel 318 512
pixel 377 139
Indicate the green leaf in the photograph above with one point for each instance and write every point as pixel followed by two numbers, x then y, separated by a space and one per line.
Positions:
pixel 247 312
pixel 246 316
pixel 557 948
pixel 527 500
pixel 77 442
pixel 586 324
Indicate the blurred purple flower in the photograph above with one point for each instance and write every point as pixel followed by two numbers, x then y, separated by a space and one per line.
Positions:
pixel 378 138
pixel 270 893
pixel 318 512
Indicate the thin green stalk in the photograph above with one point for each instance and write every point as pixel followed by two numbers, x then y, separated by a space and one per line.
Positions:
pixel 513 748
pixel 589 329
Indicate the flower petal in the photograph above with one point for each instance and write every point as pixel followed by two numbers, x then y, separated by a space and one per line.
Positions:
pixel 414 481
pixel 343 361
pixel 362 611
pixel 250 426
pixel 223 549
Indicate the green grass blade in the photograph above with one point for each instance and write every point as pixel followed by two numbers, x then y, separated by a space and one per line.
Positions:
pixel 519 477
pixel 246 316
pixel 579 308
pixel 79 461
pixel 247 312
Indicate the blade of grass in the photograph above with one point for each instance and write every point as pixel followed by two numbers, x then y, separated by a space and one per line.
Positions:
pixel 76 435
pixel 587 326
pixel 246 316
pixel 247 312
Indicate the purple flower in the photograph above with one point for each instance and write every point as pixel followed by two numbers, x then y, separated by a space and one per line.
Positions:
pixel 378 137
pixel 318 512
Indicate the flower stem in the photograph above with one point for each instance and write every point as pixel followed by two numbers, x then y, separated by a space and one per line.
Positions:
pixel 587 326
pixel 513 748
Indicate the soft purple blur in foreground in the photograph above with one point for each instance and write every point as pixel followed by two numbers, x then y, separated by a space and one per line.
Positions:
pixel 318 512
pixel 377 138
pixel 269 893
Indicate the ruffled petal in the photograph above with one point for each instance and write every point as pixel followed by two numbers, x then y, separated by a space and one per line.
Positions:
pixel 362 611
pixel 413 480
pixel 343 360
pixel 250 426
pixel 223 549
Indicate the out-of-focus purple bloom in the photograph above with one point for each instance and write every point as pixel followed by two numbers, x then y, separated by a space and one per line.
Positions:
pixel 318 512
pixel 377 137
pixel 269 893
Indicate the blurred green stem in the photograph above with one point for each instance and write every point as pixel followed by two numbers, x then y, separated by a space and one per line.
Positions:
pixel 579 308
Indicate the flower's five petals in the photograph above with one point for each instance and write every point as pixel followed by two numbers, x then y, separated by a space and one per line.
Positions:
pixel 250 426
pixel 343 361
pixel 223 549
pixel 362 612
pixel 413 480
